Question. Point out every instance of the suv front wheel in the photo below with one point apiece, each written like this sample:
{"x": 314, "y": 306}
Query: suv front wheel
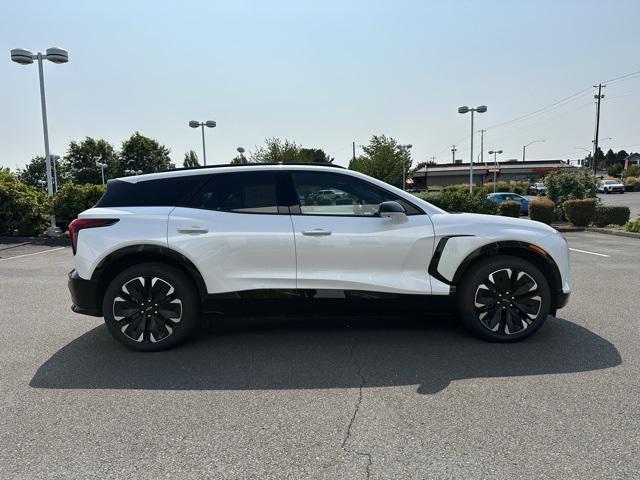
{"x": 503, "y": 299}
{"x": 150, "y": 307}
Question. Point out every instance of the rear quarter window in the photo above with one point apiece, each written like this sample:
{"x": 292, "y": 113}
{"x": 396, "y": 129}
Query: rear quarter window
{"x": 164, "y": 192}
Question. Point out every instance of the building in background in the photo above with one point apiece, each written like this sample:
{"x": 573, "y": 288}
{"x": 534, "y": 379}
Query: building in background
{"x": 457, "y": 173}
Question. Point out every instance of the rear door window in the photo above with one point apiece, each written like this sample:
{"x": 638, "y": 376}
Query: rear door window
{"x": 242, "y": 192}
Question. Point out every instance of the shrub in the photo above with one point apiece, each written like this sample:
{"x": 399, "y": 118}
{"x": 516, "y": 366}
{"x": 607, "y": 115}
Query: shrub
{"x": 454, "y": 199}
{"x": 541, "y": 210}
{"x": 610, "y": 215}
{"x": 23, "y": 209}
{"x": 562, "y": 186}
{"x": 72, "y": 199}
{"x": 633, "y": 171}
{"x": 509, "y": 209}
{"x": 634, "y": 226}
{"x": 324, "y": 200}
{"x": 632, "y": 184}
{"x": 579, "y": 212}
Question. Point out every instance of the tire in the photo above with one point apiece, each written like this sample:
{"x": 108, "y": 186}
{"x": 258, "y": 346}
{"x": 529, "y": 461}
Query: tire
{"x": 509, "y": 319}
{"x": 128, "y": 299}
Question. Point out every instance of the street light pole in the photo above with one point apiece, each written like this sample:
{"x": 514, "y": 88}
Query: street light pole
{"x": 524, "y": 147}
{"x": 495, "y": 166}
{"x": 196, "y": 124}
{"x": 465, "y": 109}
{"x": 405, "y": 148}
{"x": 25, "y": 57}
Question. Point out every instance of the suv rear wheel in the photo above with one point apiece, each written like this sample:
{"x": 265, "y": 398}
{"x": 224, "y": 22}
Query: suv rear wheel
{"x": 503, "y": 299}
{"x": 150, "y": 307}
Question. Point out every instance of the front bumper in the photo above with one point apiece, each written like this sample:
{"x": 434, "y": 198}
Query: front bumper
{"x": 83, "y": 295}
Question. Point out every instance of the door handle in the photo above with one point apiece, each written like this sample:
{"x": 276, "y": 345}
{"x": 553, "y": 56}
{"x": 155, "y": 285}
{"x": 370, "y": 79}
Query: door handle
{"x": 316, "y": 232}
{"x": 195, "y": 230}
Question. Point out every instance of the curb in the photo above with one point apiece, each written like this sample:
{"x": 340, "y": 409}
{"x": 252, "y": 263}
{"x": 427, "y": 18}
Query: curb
{"x": 619, "y": 233}
{"x": 56, "y": 241}
{"x": 567, "y": 228}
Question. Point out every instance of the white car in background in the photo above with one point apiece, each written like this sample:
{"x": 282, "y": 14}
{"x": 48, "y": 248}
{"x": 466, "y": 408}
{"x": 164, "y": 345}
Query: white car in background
{"x": 610, "y": 186}
{"x": 159, "y": 250}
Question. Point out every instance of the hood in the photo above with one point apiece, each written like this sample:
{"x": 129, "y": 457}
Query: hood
{"x": 488, "y": 225}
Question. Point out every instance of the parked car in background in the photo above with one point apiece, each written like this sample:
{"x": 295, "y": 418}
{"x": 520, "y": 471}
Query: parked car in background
{"x": 610, "y": 186}
{"x": 537, "y": 188}
{"x": 500, "y": 197}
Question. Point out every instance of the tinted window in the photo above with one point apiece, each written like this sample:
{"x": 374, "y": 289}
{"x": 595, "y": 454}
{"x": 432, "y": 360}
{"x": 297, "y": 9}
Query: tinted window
{"x": 322, "y": 193}
{"x": 166, "y": 192}
{"x": 247, "y": 192}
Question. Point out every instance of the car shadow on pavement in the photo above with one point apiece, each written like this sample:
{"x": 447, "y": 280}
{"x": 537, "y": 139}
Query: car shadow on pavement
{"x": 315, "y": 353}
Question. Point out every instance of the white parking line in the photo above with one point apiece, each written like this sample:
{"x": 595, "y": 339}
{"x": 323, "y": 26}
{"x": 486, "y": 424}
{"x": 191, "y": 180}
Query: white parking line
{"x": 29, "y": 254}
{"x": 590, "y": 253}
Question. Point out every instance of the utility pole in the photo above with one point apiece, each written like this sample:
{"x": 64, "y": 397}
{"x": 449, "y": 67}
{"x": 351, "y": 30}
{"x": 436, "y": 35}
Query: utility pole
{"x": 453, "y": 153}
{"x": 598, "y": 97}
{"x": 482, "y": 145}
{"x": 354, "y": 151}
{"x": 426, "y": 174}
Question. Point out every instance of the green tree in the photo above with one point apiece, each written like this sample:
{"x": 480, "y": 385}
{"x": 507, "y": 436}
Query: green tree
{"x": 621, "y": 155}
{"x": 239, "y": 159}
{"x": 610, "y": 158}
{"x": 614, "y": 169}
{"x": 190, "y": 160}
{"x": 285, "y": 151}
{"x": 276, "y": 151}
{"x": 80, "y": 161}
{"x": 385, "y": 159}
{"x": 143, "y": 153}
{"x": 314, "y": 155}
{"x": 34, "y": 173}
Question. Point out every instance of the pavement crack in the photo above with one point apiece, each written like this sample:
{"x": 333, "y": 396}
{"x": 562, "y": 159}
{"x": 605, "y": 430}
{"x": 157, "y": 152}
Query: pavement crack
{"x": 352, "y": 420}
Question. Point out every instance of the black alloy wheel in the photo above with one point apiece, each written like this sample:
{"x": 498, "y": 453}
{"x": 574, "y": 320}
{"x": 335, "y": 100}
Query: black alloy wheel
{"x": 503, "y": 298}
{"x": 151, "y": 306}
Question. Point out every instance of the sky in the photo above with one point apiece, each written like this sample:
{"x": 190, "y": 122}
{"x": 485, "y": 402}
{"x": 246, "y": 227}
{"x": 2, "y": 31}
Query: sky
{"x": 323, "y": 74}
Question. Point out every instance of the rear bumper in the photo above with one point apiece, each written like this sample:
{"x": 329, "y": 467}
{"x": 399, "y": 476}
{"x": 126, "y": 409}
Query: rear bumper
{"x": 83, "y": 295}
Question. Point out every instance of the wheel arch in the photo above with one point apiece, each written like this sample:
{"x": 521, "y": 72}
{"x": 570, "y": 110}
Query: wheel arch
{"x": 125, "y": 257}
{"x": 524, "y": 250}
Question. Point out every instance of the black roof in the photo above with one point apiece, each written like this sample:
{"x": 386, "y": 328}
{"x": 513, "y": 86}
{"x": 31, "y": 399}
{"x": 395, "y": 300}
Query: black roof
{"x": 224, "y": 165}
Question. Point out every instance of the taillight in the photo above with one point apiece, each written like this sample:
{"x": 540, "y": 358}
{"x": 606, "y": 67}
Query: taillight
{"x": 82, "y": 223}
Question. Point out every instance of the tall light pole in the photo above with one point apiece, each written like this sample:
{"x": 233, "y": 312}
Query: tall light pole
{"x": 406, "y": 149}
{"x": 25, "y": 57}
{"x": 54, "y": 160}
{"x": 102, "y": 166}
{"x": 495, "y": 166}
{"x": 524, "y": 147}
{"x": 196, "y": 124}
{"x": 465, "y": 109}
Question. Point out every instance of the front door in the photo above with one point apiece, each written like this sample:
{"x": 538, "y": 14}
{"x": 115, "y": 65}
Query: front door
{"x": 341, "y": 243}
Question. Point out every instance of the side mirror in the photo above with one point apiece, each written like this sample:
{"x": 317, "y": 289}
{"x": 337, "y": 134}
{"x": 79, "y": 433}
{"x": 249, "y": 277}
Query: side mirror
{"x": 392, "y": 210}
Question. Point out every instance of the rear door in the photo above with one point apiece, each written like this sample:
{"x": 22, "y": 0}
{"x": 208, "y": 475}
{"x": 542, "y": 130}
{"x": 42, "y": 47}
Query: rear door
{"x": 235, "y": 234}
{"x": 342, "y": 244}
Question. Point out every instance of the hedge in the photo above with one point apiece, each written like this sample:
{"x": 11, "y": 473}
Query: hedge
{"x": 579, "y": 212}
{"x": 542, "y": 210}
{"x": 455, "y": 199}
{"x": 509, "y": 209}
{"x": 72, "y": 199}
{"x": 23, "y": 209}
{"x": 611, "y": 215}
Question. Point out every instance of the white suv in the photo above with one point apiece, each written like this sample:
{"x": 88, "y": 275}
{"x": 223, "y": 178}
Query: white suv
{"x": 159, "y": 250}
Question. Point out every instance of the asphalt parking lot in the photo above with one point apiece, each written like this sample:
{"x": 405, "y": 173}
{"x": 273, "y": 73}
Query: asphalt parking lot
{"x": 380, "y": 398}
